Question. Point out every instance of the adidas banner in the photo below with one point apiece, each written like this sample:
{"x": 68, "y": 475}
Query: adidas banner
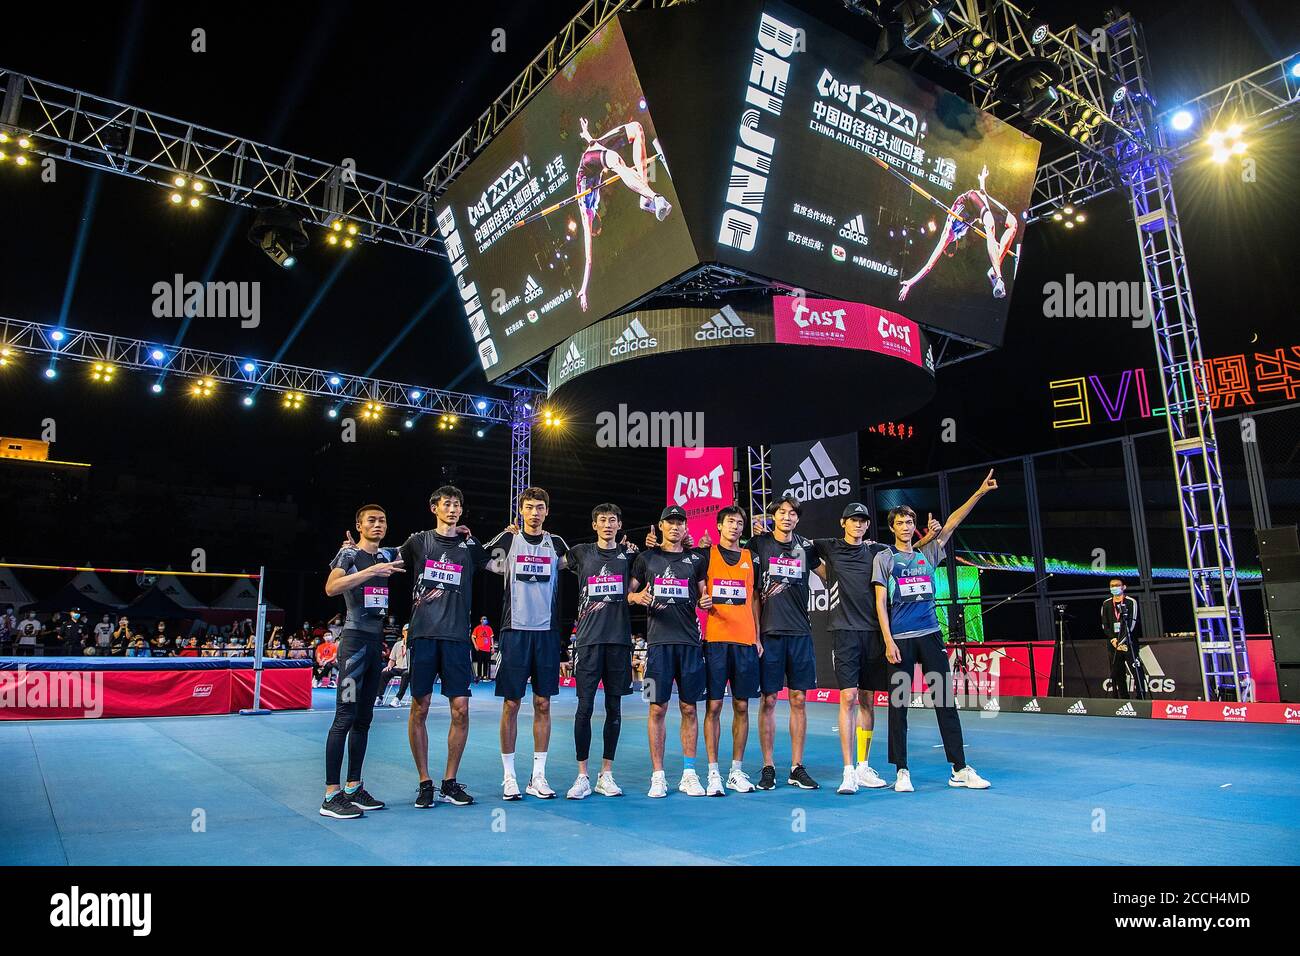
{"x": 823, "y": 476}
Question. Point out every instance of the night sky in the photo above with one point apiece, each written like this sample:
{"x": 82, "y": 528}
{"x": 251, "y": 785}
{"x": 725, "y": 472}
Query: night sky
{"x": 392, "y": 86}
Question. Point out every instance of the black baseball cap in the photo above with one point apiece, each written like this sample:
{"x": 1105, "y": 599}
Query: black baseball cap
{"x": 673, "y": 513}
{"x": 855, "y": 509}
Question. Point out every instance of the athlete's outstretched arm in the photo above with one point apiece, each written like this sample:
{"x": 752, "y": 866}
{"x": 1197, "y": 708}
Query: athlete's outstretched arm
{"x": 957, "y": 517}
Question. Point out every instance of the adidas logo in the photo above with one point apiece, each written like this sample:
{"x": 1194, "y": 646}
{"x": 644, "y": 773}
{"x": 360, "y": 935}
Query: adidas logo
{"x": 855, "y": 230}
{"x": 929, "y": 359}
{"x": 991, "y": 704}
{"x": 532, "y": 290}
{"x": 487, "y": 353}
{"x": 1077, "y": 708}
{"x": 573, "y": 361}
{"x": 1032, "y": 707}
{"x": 634, "y": 337}
{"x": 817, "y": 478}
{"x": 724, "y": 325}
{"x": 1127, "y": 710}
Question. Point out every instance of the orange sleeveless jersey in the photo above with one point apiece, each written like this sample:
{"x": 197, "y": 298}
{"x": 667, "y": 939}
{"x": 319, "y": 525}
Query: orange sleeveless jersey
{"x": 731, "y": 618}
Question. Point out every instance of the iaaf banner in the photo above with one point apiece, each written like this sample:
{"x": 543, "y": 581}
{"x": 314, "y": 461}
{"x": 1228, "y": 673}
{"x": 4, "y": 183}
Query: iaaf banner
{"x": 701, "y": 481}
{"x": 822, "y": 475}
{"x": 852, "y": 325}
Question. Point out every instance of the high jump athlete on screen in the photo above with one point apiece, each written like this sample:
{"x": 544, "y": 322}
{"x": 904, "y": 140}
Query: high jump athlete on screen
{"x": 598, "y": 161}
{"x": 981, "y": 206}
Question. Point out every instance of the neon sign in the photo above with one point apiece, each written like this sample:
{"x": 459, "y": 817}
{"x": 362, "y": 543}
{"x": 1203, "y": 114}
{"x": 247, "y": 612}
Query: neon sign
{"x": 1228, "y": 381}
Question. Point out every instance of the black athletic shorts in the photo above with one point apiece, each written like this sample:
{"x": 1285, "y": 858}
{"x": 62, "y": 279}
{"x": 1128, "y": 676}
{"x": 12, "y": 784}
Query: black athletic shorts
{"x": 528, "y": 655}
{"x": 788, "y": 661}
{"x": 860, "y": 660}
{"x": 608, "y": 664}
{"x": 437, "y": 658}
{"x": 666, "y": 663}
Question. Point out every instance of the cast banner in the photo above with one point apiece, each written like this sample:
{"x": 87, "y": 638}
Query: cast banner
{"x": 823, "y": 476}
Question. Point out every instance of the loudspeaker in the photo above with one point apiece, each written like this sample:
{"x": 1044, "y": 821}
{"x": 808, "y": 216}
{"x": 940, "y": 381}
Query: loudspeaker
{"x": 1277, "y": 541}
{"x": 1285, "y": 626}
{"x": 1288, "y": 684}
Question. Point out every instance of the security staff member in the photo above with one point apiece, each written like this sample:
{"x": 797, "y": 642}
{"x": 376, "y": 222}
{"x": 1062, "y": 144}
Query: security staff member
{"x": 1119, "y": 623}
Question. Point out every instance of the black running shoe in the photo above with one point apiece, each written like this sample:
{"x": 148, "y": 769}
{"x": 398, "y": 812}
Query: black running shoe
{"x": 453, "y": 792}
{"x": 340, "y": 807}
{"x": 427, "y": 796}
{"x": 365, "y": 801}
{"x": 767, "y": 779}
{"x": 799, "y": 778}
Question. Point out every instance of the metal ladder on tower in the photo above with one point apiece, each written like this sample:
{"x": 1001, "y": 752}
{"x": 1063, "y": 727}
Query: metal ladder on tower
{"x": 1211, "y": 567}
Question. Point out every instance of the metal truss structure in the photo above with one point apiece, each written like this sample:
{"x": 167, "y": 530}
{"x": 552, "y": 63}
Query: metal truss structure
{"x": 250, "y": 375}
{"x": 99, "y": 133}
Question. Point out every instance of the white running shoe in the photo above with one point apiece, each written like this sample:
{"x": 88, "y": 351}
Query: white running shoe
{"x": 739, "y": 781}
{"x": 662, "y": 208}
{"x": 647, "y": 205}
{"x": 658, "y": 785}
{"x": 538, "y": 787}
{"x": 394, "y": 703}
{"x": 510, "y": 789}
{"x": 999, "y": 287}
{"x": 581, "y": 788}
{"x": 605, "y": 785}
{"x": 968, "y": 778}
{"x": 715, "y": 785}
{"x": 690, "y": 784}
{"x": 850, "y": 782}
{"x": 903, "y": 783}
{"x": 867, "y": 777}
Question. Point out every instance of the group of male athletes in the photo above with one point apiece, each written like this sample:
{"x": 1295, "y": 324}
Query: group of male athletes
{"x": 757, "y": 640}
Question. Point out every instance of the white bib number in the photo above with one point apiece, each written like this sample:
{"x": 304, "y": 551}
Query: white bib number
{"x": 533, "y": 567}
{"x": 376, "y": 597}
{"x": 790, "y": 569}
{"x": 918, "y": 587}
{"x": 728, "y": 591}
{"x": 669, "y": 589}
{"x": 443, "y": 573}
{"x": 605, "y": 585}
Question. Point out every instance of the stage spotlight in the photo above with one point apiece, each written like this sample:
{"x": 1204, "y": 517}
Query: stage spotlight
{"x": 409, "y": 423}
{"x": 1181, "y": 121}
{"x": 5, "y": 355}
{"x": 194, "y": 202}
{"x": 177, "y": 198}
{"x": 197, "y": 185}
{"x": 179, "y": 182}
{"x": 1057, "y": 216}
{"x": 478, "y": 433}
{"x": 334, "y": 380}
{"x": 156, "y": 388}
{"x": 279, "y": 234}
{"x": 157, "y": 355}
{"x": 203, "y": 388}
{"x": 103, "y": 373}
{"x": 1069, "y": 224}
{"x": 1030, "y": 85}
{"x": 371, "y": 411}
{"x": 293, "y": 400}
{"x": 1068, "y": 210}
{"x": 480, "y": 405}
{"x": 1295, "y": 69}
{"x": 415, "y": 394}
{"x": 248, "y": 401}
{"x": 1039, "y": 33}
{"x": 908, "y": 25}
{"x": 57, "y": 336}
{"x": 250, "y": 367}
{"x": 333, "y": 413}
{"x": 1119, "y": 94}
{"x": 51, "y": 373}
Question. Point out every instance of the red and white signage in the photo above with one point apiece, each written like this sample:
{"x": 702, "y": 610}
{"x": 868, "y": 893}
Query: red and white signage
{"x": 850, "y": 325}
{"x": 1226, "y": 711}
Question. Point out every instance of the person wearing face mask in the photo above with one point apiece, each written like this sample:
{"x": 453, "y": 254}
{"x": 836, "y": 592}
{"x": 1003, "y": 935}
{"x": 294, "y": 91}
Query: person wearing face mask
{"x": 1119, "y": 623}
{"x": 72, "y": 631}
{"x": 27, "y": 633}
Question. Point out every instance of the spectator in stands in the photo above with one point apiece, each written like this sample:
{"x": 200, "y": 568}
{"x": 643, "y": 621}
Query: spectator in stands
{"x": 326, "y": 655}
{"x": 8, "y": 627}
{"x": 72, "y": 631}
{"x": 189, "y": 647}
{"x": 104, "y": 635}
{"x": 162, "y": 644}
{"x": 297, "y": 648}
{"x": 482, "y": 640}
{"x": 29, "y": 631}
{"x": 122, "y": 637}
{"x": 209, "y": 647}
{"x": 398, "y": 666}
{"x": 139, "y": 648}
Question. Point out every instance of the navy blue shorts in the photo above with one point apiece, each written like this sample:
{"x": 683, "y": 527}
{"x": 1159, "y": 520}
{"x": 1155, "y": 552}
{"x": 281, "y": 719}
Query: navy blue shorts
{"x": 439, "y": 658}
{"x": 525, "y": 656}
{"x": 788, "y": 661}
{"x": 610, "y": 664}
{"x": 734, "y": 663}
{"x": 665, "y": 663}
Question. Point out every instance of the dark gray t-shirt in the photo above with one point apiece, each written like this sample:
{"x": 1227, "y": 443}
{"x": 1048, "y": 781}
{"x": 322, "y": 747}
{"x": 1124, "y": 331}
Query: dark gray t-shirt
{"x": 367, "y": 603}
{"x": 852, "y": 598}
{"x": 603, "y": 577}
{"x": 781, "y": 580}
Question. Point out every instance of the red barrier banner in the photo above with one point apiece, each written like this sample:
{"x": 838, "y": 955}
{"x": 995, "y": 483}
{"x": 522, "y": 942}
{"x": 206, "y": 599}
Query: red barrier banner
{"x": 282, "y": 689}
{"x": 1226, "y": 711}
{"x": 65, "y": 694}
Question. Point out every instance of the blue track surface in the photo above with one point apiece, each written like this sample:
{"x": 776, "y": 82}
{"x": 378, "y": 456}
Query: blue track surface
{"x": 113, "y": 792}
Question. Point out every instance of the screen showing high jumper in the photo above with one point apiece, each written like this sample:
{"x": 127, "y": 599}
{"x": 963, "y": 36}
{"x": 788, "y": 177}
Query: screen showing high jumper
{"x": 866, "y": 182}
{"x": 568, "y": 215}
